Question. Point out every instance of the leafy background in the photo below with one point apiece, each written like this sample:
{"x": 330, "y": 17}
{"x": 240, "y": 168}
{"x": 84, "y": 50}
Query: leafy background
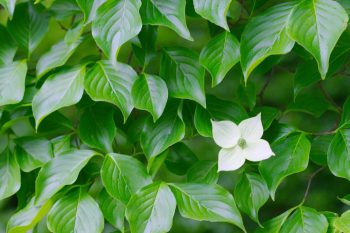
{"x": 79, "y": 94}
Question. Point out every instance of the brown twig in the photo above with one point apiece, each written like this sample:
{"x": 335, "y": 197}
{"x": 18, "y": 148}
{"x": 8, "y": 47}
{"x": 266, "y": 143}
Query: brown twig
{"x": 311, "y": 177}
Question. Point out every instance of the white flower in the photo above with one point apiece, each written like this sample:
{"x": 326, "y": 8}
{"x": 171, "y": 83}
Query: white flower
{"x": 240, "y": 142}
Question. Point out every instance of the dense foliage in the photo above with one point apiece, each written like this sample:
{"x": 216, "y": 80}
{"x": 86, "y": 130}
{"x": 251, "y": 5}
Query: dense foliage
{"x": 108, "y": 109}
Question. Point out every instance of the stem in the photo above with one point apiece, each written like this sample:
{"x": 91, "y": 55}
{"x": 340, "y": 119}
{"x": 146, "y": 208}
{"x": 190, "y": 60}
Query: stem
{"x": 266, "y": 84}
{"x": 309, "y": 183}
{"x": 130, "y": 57}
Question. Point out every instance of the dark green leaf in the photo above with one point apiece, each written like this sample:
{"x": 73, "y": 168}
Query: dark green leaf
{"x": 203, "y": 172}
{"x": 180, "y": 158}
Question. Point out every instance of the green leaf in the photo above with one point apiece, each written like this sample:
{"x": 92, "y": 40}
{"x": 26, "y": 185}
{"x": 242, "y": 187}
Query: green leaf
{"x": 9, "y": 5}
{"x": 97, "y": 128}
{"x": 183, "y": 74}
{"x": 345, "y": 117}
{"x": 220, "y": 55}
{"x": 151, "y": 209}
{"x": 61, "y": 144}
{"x": 338, "y": 155}
{"x": 265, "y": 35}
{"x": 116, "y": 22}
{"x": 180, "y": 158}
{"x": 56, "y": 56}
{"x": 305, "y": 76}
{"x": 12, "y": 82}
{"x": 168, "y": 13}
{"x": 268, "y": 115}
{"x": 111, "y": 83}
{"x": 32, "y": 152}
{"x": 319, "y": 149}
{"x": 113, "y": 210}
{"x": 305, "y": 220}
{"x": 342, "y": 223}
{"x": 76, "y": 212}
{"x": 213, "y": 10}
{"x": 123, "y": 175}
{"x": 7, "y": 46}
{"x": 291, "y": 156}
{"x": 25, "y": 219}
{"x": 150, "y": 93}
{"x": 251, "y": 194}
{"x": 10, "y": 174}
{"x": 203, "y": 172}
{"x": 59, "y": 90}
{"x": 29, "y": 25}
{"x": 312, "y": 24}
{"x": 168, "y": 130}
{"x": 202, "y": 121}
{"x": 89, "y": 8}
{"x": 345, "y": 199}
{"x": 60, "y": 171}
{"x": 208, "y": 202}
{"x": 274, "y": 225}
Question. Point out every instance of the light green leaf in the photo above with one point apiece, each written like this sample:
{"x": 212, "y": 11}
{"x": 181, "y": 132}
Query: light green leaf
{"x": 291, "y": 156}
{"x": 183, "y": 74}
{"x": 208, "y": 202}
{"x": 9, "y": 5}
{"x": 338, "y": 156}
{"x": 25, "y": 219}
{"x": 76, "y": 212}
{"x": 150, "y": 93}
{"x": 89, "y": 8}
{"x": 60, "y": 171}
{"x": 151, "y": 209}
{"x": 111, "y": 83}
{"x": 313, "y": 25}
{"x": 29, "y": 25}
{"x": 61, "y": 144}
{"x": 116, "y": 22}
{"x": 203, "y": 172}
{"x": 123, "y": 175}
{"x": 59, "y": 90}
{"x": 251, "y": 194}
{"x": 113, "y": 210}
{"x": 213, "y": 10}
{"x": 305, "y": 220}
{"x": 97, "y": 128}
{"x": 12, "y": 82}
{"x": 56, "y": 56}
{"x": 168, "y": 13}
{"x": 7, "y": 46}
{"x": 265, "y": 35}
{"x": 32, "y": 152}
{"x": 342, "y": 223}
{"x": 10, "y": 174}
{"x": 220, "y": 55}
{"x": 274, "y": 225}
{"x": 168, "y": 130}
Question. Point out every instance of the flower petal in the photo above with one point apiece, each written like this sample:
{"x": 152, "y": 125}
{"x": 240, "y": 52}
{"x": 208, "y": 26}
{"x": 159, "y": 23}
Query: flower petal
{"x": 257, "y": 151}
{"x": 225, "y": 133}
{"x": 251, "y": 129}
{"x": 230, "y": 159}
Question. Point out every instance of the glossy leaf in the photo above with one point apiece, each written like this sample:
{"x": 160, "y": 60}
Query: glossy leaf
{"x": 204, "y": 171}
{"x": 111, "y": 83}
{"x": 305, "y": 220}
{"x": 29, "y": 25}
{"x": 123, "y": 175}
{"x": 275, "y": 224}
{"x": 151, "y": 209}
{"x": 202, "y": 121}
{"x": 75, "y": 212}
{"x": 32, "y": 152}
{"x": 9, "y": 5}
{"x": 168, "y": 13}
{"x": 265, "y": 35}
{"x": 251, "y": 194}
{"x": 10, "y": 174}
{"x": 12, "y": 82}
{"x": 291, "y": 156}
{"x": 343, "y": 222}
{"x": 213, "y": 10}
{"x": 116, "y": 22}
{"x": 220, "y": 55}
{"x": 319, "y": 149}
{"x": 97, "y": 128}
{"x": 312, "y": 24}
{"x": 89, "y": 8}
{"x": 168, "y": 130}
{"x": 150, "y": 93}
{"x": 59, "y": 90}
{"x": 183, "y": 74}
{"x": 60, "y": 171}
{"x": 7, "y": 46}
{"x": 206, "y": 202}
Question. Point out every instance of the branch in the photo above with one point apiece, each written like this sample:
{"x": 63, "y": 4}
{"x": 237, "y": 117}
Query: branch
{"x": 309, "y": 183}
